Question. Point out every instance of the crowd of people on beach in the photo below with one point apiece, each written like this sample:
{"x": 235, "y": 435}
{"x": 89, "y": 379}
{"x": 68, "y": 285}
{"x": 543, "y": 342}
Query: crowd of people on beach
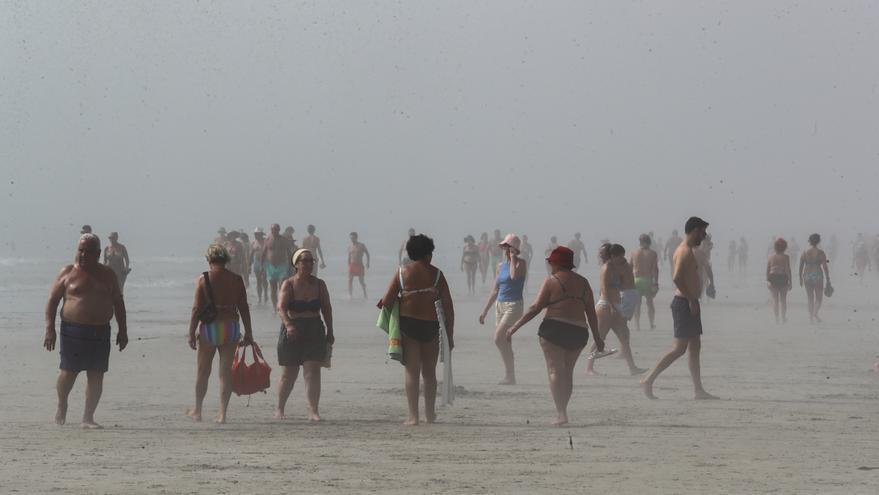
{"x": 287, "y": 275}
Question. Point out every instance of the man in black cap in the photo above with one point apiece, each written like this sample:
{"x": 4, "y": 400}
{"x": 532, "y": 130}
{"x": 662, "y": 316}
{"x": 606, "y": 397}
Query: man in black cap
{"x": 685, "y": 310}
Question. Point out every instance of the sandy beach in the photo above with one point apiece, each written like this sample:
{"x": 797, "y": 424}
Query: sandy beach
{"x": 798, "y": 413}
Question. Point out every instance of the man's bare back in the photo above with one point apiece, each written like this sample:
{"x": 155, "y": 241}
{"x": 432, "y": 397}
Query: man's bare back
{"x": 645, "y": 262}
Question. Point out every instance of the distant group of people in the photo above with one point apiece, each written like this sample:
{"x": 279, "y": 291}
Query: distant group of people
{"x": 92, "y": 295}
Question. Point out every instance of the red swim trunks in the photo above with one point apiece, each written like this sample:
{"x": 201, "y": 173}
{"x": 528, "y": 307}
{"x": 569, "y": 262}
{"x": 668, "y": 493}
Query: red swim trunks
{"x": 356, "y": 269}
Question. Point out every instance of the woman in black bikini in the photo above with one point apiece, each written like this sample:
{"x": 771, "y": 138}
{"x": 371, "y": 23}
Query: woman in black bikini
{"x": 418, "y": 285}
{"x": 304, "y": 337}
{"x": 564, "y": 332}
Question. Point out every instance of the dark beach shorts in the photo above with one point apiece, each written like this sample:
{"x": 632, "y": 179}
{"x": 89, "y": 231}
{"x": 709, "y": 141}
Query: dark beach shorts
{"x": 686, "y": 324}
{"x": 424, "y": 331}
{"x": 778, "y": 280}
{"x": 563, "y": 334}
{"x": 310, "y": 343}
{"x": 85, "y": 347}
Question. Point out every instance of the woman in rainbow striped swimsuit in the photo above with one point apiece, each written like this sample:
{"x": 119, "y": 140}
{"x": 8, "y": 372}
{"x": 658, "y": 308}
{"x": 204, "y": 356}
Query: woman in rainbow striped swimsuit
{"x": 226, "y": 290}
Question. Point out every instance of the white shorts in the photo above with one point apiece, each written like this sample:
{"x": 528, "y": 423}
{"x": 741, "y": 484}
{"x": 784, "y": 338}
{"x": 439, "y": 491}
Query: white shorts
{"x": 508, "y": 312}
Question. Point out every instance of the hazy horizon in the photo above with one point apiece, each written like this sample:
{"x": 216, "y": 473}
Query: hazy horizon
{"x": 165, "y": 120}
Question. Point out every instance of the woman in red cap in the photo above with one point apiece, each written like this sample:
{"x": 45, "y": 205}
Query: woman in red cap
{"x": 564, "y": 332}
{"x": 507, "y": 298}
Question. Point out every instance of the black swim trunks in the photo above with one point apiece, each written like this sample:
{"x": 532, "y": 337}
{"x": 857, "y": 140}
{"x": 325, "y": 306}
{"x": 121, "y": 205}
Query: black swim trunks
{"x": 310, "y": 343}
{"x": 563, "y": 334}
{"x": 687, "y": 325}
{"x": 424, "y": 331}
{"x": 84, "y": 347}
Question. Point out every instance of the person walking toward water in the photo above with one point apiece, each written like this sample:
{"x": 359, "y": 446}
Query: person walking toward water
{"x": 743, "y": 255}
{"x": 470, "y": 263}
{"x": 224, "y": 291}
{"x": 116, "y": 257}
{"x": 356, "y": 251}
{"x": 312, "y": 243}
{"x": 861, "y": 257}
{"x": 91, "y": 298}
{"x": 813, "y": 271}
{"x": 616, "y": 304}
{"x": 645, "y": 266}
{"x": 509, "y": 306}
{"x": 259, "y": 269}
{"x": 685, "y": 311}
{"x": 276, "y": 260}
{"x": 778, "y": 278}
{"x": 304, "y": 338}
{"x": 417, "y": 286}
{"x": 570, "y": 314}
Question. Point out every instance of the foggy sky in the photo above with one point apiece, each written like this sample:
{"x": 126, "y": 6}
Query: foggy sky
{"x": 163, "y": 120}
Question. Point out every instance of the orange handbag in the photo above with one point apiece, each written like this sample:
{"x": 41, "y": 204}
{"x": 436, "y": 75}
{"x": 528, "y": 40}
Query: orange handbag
{"x": 249, "y": 379}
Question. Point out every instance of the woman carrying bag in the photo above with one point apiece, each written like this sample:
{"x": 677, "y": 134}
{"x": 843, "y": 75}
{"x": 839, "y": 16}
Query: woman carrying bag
{"x": 220, "y": 297}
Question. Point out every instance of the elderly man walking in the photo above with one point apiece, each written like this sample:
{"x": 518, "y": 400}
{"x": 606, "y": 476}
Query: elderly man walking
{"x": 91, "y": 296}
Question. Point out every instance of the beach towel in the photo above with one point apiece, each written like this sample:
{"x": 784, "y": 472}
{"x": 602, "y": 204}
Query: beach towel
{"x": 389, "y": 321}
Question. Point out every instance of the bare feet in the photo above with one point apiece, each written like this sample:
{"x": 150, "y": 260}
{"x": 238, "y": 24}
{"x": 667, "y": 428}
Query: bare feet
{"x": 703, "y": 395}
{"x": 430, "y": 418}
{"x": 314, "y": 417}
{"x": 647, "y": 387}
{"x": 561, "y": 420}
{"x": 638, "y": 371}
{"x": 507, "y": 381}
{"x": 279, "y": 414}
{"x": 411, "y": 422}
{"x": 195, "y": 415}
{"x": 61, "y": 415}
{"x": 90, "y": 425}
{"x": 590, "y": 371}
{"x": 220, "y": 419}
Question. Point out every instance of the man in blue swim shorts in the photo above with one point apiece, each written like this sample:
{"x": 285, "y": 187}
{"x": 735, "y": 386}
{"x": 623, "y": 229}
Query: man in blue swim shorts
{"x": 91, "y": 296}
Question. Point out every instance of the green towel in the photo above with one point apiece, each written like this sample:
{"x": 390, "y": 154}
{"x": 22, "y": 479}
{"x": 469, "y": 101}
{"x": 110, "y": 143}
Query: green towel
{"x": 389, "y": 321}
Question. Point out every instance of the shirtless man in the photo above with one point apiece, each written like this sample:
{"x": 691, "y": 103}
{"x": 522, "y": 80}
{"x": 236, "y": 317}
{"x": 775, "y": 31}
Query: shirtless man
{"x": 553, "y": 243}
{"x": 685, "y": 310}
{"x": 576, "y": 245}
{"x": 258, "y": 264}
{"x": 91, "y": 296}
{"x": 645, "y": 265}
{"x": 86, "y": 229}
{"x": 116, "y": 257}
{"x": 402, "y": 257}
{"x": 668, "y": 251}
{"x": 356, "y": 251}
{"x": 312, "y": 243}
{"x": 276, "y": 260}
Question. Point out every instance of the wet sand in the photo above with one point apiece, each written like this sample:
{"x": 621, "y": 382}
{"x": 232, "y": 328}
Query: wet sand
{"x": 798, "y": 413}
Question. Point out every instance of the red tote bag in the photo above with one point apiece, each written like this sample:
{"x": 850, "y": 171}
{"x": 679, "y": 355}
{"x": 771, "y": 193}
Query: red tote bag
{"x": 249, "y": 379}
